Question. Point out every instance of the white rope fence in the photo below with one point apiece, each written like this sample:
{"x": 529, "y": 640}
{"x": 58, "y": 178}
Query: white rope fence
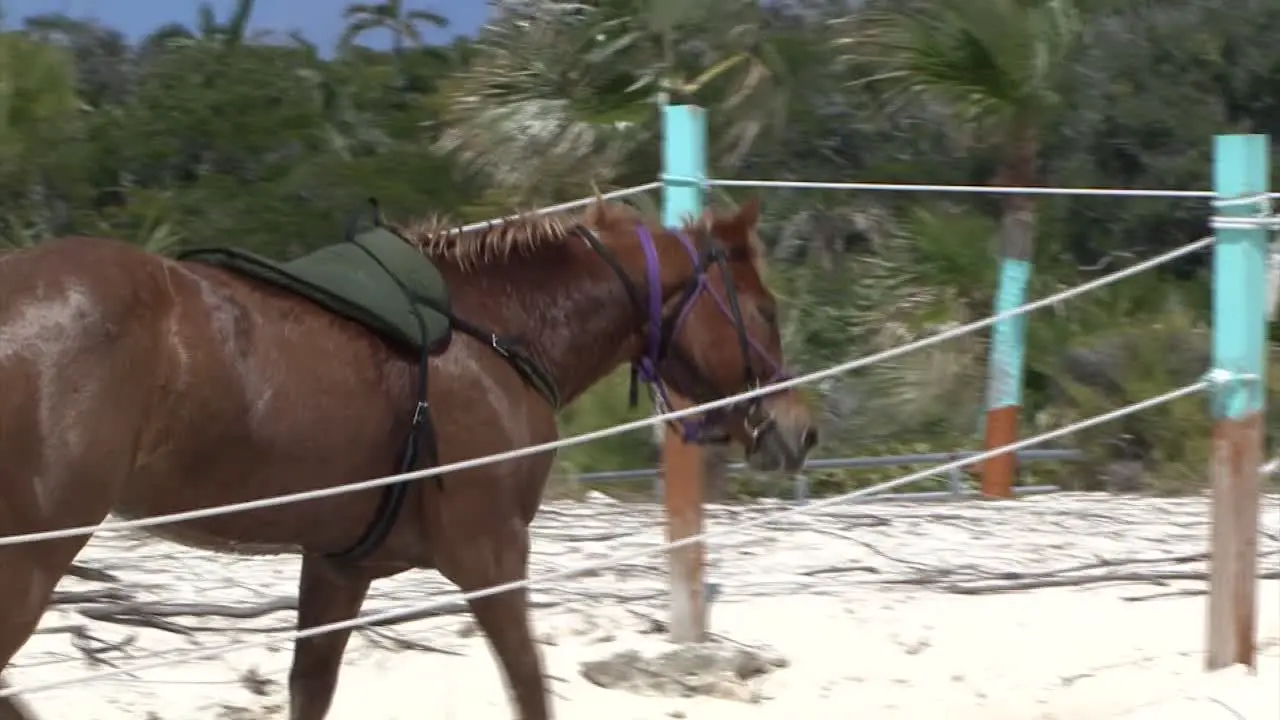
{"x": 121, "y": 525}
{"x": 853, "y": 186}
{"x": 964, "y": 189}
{"x": 548, "y": 210}
{"x": 157, "y": 660}
{"x": 1263, "y": 218}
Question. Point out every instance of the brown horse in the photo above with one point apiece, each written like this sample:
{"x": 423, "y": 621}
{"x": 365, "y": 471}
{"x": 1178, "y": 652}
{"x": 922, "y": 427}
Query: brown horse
{"x": 143, "y": 386}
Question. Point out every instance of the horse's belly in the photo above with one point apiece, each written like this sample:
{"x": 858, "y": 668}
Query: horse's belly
{"x": 204, "y": 534}
{"x": 288, "y": 527}
{"x": 195, "y": 537}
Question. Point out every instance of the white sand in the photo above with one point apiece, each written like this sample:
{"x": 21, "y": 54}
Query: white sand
{"x": 815, "y": 590}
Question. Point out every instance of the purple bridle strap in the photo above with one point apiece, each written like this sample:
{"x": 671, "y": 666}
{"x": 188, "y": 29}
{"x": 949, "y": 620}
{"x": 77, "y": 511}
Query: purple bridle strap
{"x": 705, "y": 285}
{"x": 653, "y": 276}
{"x": 647, "y": 365}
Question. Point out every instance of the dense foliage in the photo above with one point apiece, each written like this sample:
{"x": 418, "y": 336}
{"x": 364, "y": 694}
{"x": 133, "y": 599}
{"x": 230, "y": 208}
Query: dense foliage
{"x": 214, "y": 133}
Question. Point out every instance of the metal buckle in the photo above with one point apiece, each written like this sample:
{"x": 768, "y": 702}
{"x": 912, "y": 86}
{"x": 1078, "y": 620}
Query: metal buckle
{"x": 497, "y": 346}
{"x": 755, "y": 426}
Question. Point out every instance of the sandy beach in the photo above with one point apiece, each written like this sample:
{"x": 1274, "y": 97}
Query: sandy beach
{"x": 1064, "y": 606}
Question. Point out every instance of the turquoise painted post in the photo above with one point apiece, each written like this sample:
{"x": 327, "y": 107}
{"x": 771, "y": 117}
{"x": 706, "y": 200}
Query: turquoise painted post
{"x": 1005, "y": 377}
{"x": 684, "y": 163}
{"x": 684, "y": 170}
{"x": 1241, "y": 181}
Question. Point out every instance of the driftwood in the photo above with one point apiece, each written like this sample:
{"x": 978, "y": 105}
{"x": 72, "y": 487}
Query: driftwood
{"x": 116, "y": 605}
{"x": 1119, "y": 570}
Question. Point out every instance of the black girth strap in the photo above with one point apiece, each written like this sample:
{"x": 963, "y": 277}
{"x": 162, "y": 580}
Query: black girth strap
{"x": 421, "y": 430}
{"x": 422, "y": 433}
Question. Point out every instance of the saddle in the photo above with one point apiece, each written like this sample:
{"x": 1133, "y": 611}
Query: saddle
{"x": 379, "y": 280}
{"x": 376, "y": 279}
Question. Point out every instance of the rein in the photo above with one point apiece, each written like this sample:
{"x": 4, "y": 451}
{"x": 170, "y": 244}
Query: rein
{"x": 663, "y": 327}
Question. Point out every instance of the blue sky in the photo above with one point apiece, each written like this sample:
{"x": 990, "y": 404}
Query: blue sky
{"x": 319, "y": 20}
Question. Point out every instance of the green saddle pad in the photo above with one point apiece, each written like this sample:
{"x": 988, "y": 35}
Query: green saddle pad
{"x": 346, "y": 280}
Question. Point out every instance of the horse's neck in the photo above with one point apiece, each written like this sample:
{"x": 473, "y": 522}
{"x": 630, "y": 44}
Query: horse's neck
{"x": 572, "y": 313}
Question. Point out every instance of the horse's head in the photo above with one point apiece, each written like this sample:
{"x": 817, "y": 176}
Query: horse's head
{"x": 712, "y": 332}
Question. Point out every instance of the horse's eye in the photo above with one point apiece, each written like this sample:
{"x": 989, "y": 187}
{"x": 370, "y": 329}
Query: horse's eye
{"x": 769, "y": 314}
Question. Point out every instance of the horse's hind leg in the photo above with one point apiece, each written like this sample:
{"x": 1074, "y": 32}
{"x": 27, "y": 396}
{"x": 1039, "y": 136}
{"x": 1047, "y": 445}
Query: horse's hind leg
{"x": 28, "y": 575}
{"x": 67, "y": 472}
{"x": 328, "y": 593}
{"x": 474, "y": 563}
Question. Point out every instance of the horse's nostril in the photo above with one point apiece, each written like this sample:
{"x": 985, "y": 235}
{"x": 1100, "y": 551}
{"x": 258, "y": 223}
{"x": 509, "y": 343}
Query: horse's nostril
{"x": 809, "y": 438}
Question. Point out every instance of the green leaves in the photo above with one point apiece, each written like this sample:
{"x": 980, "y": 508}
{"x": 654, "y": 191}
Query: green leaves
{"x": 557, "y": 86}
{"x": 39, "y": 115}
{"x": 37, "y": 92}
{"x": 992, "y": 61}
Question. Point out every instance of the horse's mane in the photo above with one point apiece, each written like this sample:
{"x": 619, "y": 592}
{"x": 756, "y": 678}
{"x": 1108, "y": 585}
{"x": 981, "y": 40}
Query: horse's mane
{"x": 521, "y": 235}
{"x": 529, "y": 234}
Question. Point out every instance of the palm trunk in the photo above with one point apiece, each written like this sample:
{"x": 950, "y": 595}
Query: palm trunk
{"x": 1008, "y": 340}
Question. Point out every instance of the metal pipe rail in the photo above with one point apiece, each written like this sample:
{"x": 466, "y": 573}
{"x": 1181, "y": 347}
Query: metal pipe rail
{"x": 955, "y": 476}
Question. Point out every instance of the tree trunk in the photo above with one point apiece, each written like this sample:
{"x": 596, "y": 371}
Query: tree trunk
{"x": 1018, "y": 212}
{"x": 1008, "y": 338}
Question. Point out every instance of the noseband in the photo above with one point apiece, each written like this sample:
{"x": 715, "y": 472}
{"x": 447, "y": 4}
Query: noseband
{"x": 663, "y": 328}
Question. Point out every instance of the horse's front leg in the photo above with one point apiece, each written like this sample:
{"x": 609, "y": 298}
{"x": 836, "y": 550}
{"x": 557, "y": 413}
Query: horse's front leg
{"x": 328, "y": 593}
{"x": 497, "y": 557}
{"x": 12, "y": 708}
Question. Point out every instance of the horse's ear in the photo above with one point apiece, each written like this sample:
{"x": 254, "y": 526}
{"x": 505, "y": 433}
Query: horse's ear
{"x": 749, "y": 213}
{"x": 707, "y": 222}
{"x": 597, "y": 212}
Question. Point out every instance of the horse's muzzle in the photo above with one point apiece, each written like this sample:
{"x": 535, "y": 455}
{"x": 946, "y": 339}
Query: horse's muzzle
{"x": 780, "y": 447}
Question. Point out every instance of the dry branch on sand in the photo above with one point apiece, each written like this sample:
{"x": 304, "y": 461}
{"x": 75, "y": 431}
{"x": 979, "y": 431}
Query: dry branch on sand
{"x": 130, "y": 601}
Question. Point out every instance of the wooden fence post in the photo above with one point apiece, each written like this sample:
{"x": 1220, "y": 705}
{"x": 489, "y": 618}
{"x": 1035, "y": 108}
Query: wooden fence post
{"x": 1241, "y": 178}
{"x": 684, "y": 167}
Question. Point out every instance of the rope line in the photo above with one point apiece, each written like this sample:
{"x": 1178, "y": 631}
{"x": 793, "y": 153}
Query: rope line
{"x": 580, "y": 202}
{"x": 1262, "y": 218}
{"x": 971, "y": 189}
{"x": 607, "y": 563}
{"x": 120, "y": 525}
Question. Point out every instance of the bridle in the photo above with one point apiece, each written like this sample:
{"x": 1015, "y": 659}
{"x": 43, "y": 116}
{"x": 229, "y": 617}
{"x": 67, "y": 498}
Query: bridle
{"x": 660, "y": 348}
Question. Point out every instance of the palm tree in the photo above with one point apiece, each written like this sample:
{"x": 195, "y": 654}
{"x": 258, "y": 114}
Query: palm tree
{"x": 229, "y": 34}
{"x": 559, "y": 90}
{"x": 995, "y": 66}
{"x": 225, "y": 35}
{"x": 391, "y": 16}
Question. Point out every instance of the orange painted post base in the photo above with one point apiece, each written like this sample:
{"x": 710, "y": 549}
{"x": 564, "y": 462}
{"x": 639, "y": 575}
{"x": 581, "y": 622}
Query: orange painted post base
{"x": 682, "y": 468}
{"x": 1233, "y": 550}
{"x": 999, "y": 472}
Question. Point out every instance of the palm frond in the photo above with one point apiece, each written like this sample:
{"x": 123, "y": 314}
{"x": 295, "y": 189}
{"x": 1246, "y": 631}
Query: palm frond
{"x": 990, "y": 60}
{"x": 359, "y": 27}
{"x": 407, "y": 30}
{"x": 362, "y": 10}
{"x": 603, "y": 71}
{"x": 428, "y": 17}
{"x": 237, "y": 27}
